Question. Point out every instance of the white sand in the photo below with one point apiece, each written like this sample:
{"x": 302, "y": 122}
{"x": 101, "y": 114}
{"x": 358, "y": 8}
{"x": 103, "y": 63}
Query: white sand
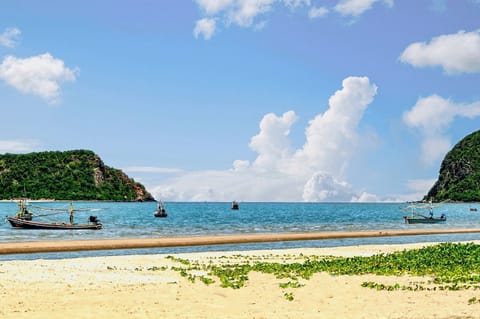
{"x": 123, "y": 287}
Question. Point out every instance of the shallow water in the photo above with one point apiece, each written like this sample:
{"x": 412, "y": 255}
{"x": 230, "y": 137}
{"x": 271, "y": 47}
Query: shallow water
{"x": 136, "y": 220}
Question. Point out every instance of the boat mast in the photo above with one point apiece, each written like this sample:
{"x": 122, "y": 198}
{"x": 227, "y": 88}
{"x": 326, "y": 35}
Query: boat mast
{"x": 70, "y": 210}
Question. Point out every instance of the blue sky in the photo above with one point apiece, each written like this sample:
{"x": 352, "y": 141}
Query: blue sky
{"x": 250, "y": 100}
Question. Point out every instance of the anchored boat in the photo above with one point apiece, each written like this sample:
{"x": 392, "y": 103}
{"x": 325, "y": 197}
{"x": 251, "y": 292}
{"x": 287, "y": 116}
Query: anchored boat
{"x": 24, "y": 218}
{"x": 416, "y": 214}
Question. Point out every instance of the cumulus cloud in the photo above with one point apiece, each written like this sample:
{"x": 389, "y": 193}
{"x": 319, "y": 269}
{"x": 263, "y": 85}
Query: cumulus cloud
{"x": 432, "y": 116}
{"x": 10, "y": 37}
{"x": 331, "y": 137}
{"x": 314, "y": 172}
{"x": 324, "y": 187}
{"x": 39, "y": 75}
{"x": 356, "y": 8}
{"x": 272, "y": 143}
{"x": 455, "y": 53}
{"x": 319, "y": 12}
{"x": 205, "y": 27}
{"x": 17, "y": 146}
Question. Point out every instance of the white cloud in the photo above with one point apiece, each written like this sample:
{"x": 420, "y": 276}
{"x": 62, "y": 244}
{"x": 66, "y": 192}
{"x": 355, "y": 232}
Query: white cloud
{"x": 432, "y": 116}
{"x": 324, "y": 187}
{"x": 272, "y": 143}
{"x": 280, "y": 173}
{"x": 40, "y": 75}
{"x": 205, "y": 27}
{"x": 356, "y": 8}
{"x": 317, "y": 12}
{"x": 242, "y": 13}
{"x": 455, "y": 53}
{"x": 332, "y": 137}
{"x": 17, "y": 146}
{"x": 10, "y": 37}
{"x": 152, "y": 169}
{"x": 212, "y": 7}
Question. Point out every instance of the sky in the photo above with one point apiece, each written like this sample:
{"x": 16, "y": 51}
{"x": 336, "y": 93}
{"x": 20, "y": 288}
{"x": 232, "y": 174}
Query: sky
{"x": 248, "y": 100}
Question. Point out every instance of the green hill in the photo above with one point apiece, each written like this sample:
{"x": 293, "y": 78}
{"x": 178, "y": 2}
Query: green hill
{"x": 69, "y": 175}
{"x": 459, "y": 178}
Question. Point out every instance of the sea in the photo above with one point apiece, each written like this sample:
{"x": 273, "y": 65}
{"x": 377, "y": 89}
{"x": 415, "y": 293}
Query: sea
{"x": 136, "y": 220}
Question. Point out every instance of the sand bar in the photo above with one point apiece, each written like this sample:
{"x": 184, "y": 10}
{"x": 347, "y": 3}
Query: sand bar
{"x": 130, "y": 243}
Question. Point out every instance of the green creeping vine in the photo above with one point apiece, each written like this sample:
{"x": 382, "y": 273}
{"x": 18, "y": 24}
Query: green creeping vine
{"x": 451, "y": 266}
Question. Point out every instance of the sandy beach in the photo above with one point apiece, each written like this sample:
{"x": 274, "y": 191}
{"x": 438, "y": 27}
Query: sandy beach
{"x": 152, "y": 286}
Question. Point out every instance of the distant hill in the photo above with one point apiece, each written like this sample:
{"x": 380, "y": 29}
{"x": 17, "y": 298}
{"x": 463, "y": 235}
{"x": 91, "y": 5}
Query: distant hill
{"x": 69, "y": 175}
{"x": 459, "y": 178}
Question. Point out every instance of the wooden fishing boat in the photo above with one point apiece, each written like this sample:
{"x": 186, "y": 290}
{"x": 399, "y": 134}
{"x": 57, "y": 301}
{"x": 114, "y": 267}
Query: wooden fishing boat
{"x": 16, "y": 222}
{"x": 160, "y": 211}
{"x": 425, "y": 220}
{"x": 416, "y": 217}
{"x": 24, "y": 218}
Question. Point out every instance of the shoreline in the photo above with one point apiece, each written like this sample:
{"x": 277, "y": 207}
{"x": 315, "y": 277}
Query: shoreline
{"x": 160, "y": 242}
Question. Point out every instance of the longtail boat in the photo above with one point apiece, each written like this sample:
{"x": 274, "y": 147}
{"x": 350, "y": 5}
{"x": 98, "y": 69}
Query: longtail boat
{"x": 416, "y": 217}
{"x": 24, "y": 219}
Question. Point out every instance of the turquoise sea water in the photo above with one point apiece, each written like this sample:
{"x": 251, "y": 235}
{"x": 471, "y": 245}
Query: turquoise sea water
{"x": 136, "y": 220}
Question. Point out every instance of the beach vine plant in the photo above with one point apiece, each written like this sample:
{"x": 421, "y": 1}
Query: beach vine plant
{"x": 448, "y": 266}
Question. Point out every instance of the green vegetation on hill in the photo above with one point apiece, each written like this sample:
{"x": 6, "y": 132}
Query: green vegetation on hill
{"x": 459, "y": 178}
{"x": 69, "y": 175}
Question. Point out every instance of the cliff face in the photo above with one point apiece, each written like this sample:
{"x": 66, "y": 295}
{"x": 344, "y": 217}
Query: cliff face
{"x": 459, "y": 177}
{"x": 69, "y": 175}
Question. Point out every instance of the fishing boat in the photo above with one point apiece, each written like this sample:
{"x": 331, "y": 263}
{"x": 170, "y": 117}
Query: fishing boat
{"x": 160, "y": 211}
{"x": 235, "y": 205}
{"x": 24, "y": 219}
{"x": 417, "y": 217}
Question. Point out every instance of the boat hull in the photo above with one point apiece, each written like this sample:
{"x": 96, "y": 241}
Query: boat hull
{"x": 424, "y": 220}
{"x": 22, "y": 223}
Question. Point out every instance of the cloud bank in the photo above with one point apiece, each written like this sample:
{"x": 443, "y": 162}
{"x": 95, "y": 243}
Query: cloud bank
{"x": 39, "y": 75}
{"x": 314, "y": 172}
{"x": 455, "y": 53}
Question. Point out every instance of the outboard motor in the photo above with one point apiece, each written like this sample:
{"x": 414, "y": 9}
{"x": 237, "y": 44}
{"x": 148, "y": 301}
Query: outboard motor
{"x": 93, "y": 219}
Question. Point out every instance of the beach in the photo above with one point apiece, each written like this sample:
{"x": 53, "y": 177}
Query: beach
{"x": 153, "y": 286}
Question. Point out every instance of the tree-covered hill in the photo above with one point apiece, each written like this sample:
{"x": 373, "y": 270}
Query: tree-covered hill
{"x": 459, "y": 178}
{"x": 69, "y": 175}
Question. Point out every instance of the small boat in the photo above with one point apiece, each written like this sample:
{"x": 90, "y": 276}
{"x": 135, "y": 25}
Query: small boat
{"x": 160, "y": 212}
{"x": 24, "y": 219}
{"x": 416, "y": 217}
{"x": 473, "y": 209}
{"x": 235, "y": 205}
{"x": 16, "y": 222}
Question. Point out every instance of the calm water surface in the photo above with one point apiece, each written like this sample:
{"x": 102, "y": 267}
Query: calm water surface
{"x": 136, "y": 220}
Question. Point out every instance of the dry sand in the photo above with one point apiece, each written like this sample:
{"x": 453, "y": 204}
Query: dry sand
{"x": 124, "y": 287}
